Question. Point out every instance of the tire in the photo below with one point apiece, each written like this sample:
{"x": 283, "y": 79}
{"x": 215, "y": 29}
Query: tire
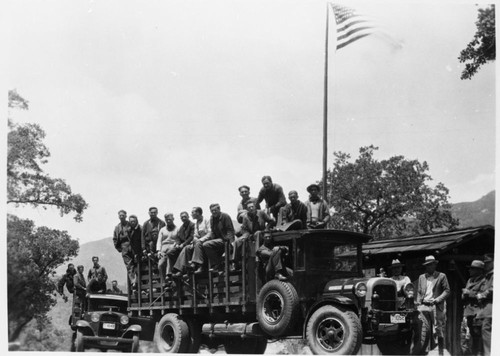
{"x": 277, "y": 307}
{"x": 332, "y": 330}
{"x": 253, "y": 345}
{"x": 395, "y": 345}
{"x": 172, "y": 334}
{"x": 194, "y": 327}
{"x": 422, "y": 334}
{"x": 135, "y": 344}
{"x": 79, "y": 343}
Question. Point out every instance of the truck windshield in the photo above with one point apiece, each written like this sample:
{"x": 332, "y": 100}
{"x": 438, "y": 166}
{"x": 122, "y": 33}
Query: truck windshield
{"x": 329, "y": 256}
{"x": 98, "y": 304}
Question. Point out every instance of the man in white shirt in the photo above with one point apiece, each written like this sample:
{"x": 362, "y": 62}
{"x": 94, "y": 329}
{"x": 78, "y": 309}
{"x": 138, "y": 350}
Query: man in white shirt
{"x": 168, "y": 247}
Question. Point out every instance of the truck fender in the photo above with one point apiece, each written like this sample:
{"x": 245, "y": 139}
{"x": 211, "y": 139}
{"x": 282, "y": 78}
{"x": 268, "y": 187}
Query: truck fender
{"x": 85, "y": 327}
{"x": 335, "y": 300}
{"x": 134, "y": 329}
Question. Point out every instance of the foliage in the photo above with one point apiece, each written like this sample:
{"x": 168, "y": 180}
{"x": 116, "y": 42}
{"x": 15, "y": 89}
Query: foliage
{"x": 386, "y": 198}
{"x": 34, "y": 254}
{"x": 482, "y": 48}
{"x": 27, "y": 183}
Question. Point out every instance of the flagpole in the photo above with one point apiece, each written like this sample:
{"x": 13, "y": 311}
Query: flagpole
{"x": 325, "y": 111}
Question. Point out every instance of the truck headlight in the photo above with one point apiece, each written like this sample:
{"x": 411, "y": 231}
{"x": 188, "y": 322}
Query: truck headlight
{"x": 360, "y": 289}
{"x": 94, "y": 317}
{"x": 124, "y": 320}
{"x": 409, "y": 290}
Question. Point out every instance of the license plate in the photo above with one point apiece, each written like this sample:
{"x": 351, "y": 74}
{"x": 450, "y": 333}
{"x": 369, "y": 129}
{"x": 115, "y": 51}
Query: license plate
{"x": 108, "y": 326}
{"x": 398, "y": 318}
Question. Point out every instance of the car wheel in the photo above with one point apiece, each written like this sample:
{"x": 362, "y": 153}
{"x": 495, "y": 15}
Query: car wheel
{"x": 79, "y": 343}
{"x": 332, "y": 330}
{"x": 135, "y": 343}
{"x": 277, "y": 307}
{"x": 237, "y": 345}
{"x": 172, "y": 334}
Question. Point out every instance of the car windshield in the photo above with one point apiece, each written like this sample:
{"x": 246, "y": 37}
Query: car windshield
{"x": 331, "y": 256}
{"x": 103, "y": 304}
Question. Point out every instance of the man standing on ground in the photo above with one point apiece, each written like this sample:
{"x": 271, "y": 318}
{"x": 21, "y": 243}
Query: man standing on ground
{"x": 245, "y": 199}
{"x": 68, "y": 280}
{"x": 471, "y": 306}
{"x": 432, "y": 291}
{"x": 485, "y": 301}
{"x": 318, "y": 215}
{"x": 273, "y": 194}
{"x": 150, "y": 231}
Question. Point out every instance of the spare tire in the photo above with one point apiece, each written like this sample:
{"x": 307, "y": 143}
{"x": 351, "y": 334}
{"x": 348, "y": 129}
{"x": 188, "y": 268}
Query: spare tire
{"x": 277, "y": 307}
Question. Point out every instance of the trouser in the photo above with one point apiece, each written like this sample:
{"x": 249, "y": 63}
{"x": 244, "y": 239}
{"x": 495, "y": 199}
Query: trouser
{"x": 168, "y": 259}
{"x": 184, "y": 257}
{"x": 80, "y": 294}
{"x": 437, "y": 318}
{"x": 128, "y": 259}
{"x": 248, "y": 241}
{"x": 210, "y": 250}
{"x": 486, "y": 335}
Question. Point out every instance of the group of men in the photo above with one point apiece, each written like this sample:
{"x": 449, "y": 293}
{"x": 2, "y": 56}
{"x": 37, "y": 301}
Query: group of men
{"x": 198, "y": 245}
{"x": 75, "y": 281}
{"x": 432, "y": 291}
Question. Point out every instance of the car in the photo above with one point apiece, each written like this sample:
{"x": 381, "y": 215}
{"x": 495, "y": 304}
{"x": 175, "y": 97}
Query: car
{"x": 104, "y": 324}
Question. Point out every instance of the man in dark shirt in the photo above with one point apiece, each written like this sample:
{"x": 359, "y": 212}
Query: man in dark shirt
{"x": 273, "y": 194}
{"x": 67, "y": 279}
{"x": 186, "y": 235}
{"x": 245, "y": 199}
{"x": 97, "y": 277}
{"x": 80, "y": 287}
{"x": 121, "y": 240}
{"x": 254, "y": 222}
{"x": 150, "y": 230}
{"x": 135, "y": 237}
{"x": 295, "y": 210}
{"x": 271, "y": 258}
{"x": 114, "y": 288}
{"x": 212, "y": 246}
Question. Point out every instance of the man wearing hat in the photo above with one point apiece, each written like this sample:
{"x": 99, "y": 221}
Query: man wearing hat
{"x": 396, "y": 268}
{"x": 471, "y": 307}
{"x": 432, "y": 291}
{"x": 317, "y": 209}
{"x": 485, "y": 301}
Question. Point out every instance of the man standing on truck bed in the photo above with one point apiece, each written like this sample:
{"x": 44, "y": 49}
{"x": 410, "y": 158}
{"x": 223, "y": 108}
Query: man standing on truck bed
{"x": 273, "y": 194}
{"x": 318, "y": 215}
{"x": 432, "y": 291}
{"x": 121, "y": 240}
{"x": 222, "y": 230}
{"x": 150, "y": 231}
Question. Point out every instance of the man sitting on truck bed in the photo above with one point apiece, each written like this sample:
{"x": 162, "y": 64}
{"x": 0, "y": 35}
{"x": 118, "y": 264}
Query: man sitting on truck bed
{"x": 186, "y": 235}
{"x": 254, "y": 223}
{"x": 150, "y": 231}
{"x": 271, "y": 258}
{"x": 168, "y": 247}
{"x": 222, "y": 230}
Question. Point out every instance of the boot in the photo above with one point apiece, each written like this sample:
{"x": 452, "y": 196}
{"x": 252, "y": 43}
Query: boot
{"x": 440, "y": 346}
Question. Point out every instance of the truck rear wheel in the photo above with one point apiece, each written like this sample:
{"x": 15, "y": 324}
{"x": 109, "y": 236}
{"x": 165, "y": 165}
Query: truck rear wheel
{"x": 250, "y": 345}
{"x": 172, "y": 334}
{"x": 277, "y": 307}
{"x": 332, "y": 330}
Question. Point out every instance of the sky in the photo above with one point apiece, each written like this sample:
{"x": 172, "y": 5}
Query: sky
{"x": 176, "y": 104}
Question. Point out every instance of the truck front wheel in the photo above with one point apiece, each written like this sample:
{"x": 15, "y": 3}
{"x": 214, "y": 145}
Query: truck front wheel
{"x": 172, "y": 334}
{"x": 332, "y": 330}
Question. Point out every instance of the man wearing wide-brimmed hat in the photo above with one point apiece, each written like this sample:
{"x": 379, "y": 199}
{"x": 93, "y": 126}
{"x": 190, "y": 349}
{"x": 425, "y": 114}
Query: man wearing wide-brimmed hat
{"x": 396, "y": 269}
{"x": 471, "y": 307}
{"x": 318, "y": 214}
{"x": 485, "y": 299}
{"x": 432, "y": 291}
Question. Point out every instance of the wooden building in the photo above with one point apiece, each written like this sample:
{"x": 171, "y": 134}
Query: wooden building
{"x": 454, "y": 250}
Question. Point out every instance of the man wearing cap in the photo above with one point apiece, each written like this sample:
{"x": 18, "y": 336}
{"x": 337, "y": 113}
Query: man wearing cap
{"x": 317, "y": 209}
{"x": 245, "y": 199}
{"x": 396, "y": 268}
{"x": 485, "y": 301}
{"x": 295, "y": 210}
{"x": 432, "y": 291}
{"x": 471, "y": 307}
{"x": 273, "y": 194}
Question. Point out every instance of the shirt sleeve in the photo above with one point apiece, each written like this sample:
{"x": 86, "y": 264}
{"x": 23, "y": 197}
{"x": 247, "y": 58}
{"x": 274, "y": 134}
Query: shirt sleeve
{"x": 158, "y": 243}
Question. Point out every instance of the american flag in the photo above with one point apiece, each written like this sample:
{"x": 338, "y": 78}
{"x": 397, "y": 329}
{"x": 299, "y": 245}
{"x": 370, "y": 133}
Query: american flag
{"x": 350, "y": 25}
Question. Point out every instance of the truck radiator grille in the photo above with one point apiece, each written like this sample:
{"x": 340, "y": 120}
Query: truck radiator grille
{"x": 387, "y": 294}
